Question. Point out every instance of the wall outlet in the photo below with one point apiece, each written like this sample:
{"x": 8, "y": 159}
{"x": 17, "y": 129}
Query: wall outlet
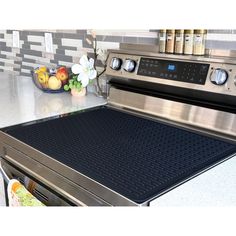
{"x": 16, "y": 39}
{"x": 48, "y": 42}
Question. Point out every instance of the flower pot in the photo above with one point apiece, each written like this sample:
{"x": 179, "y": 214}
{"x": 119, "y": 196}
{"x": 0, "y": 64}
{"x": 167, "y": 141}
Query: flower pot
{"x": 76, "y": 93}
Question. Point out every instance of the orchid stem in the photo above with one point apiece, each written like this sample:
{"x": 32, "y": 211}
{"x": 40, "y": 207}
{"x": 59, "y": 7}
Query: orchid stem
{"x": 95, "y": 62}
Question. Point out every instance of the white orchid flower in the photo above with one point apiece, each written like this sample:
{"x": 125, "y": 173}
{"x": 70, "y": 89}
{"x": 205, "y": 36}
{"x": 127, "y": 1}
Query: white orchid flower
{"x": 85, "y": 70}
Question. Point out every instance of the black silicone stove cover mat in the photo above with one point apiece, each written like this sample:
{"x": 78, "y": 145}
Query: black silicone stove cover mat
{"x": 136, "y": 157}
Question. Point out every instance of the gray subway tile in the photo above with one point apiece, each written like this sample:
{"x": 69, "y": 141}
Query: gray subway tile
{"x": 9, "y": 31}
{"x": 130, "y": 39}
{"x": 18, "y": 62}
{"x": 29, "y": 60}
{"x": 6, "y": 49}
{"x": 72, "y": 31}
{"x": 85, "y": 44}
{"x": 2, "y": 63}
{"x": 26, "y": 46}
{"x": 23, "y": 33}
{"x": 36, "y": 33}
{"x": 57, "y": 41}
{"x": 109, "y": 38}
{"x": 11, "y": 64}
{"x": 143, "y": 40}
{"x": 81, "y": 31}
{"x": 30, "y": 52}
{"x": 3, "y": 44}
{"x": 1, "y": 70}
{"x": 60, "y": 51}
{"x": 226, "y": 45}
{"x": 57, "y": 35}
{"x": 73, "y": 36}
{"x": 54, "y": 61}
{"x": 67, "y": 48}
{"x": 3, "y": 56}
{"x": 26, "y": 74}
{"x": 1, "y": 36}
{"x": 24, "y": 38}
{"x": 220, "y": 31}
{"x": 34, "y": 43}
{"x": 27, "y": 67}
{"x": 59, "y": 57}
{"x": 154, "y": 30}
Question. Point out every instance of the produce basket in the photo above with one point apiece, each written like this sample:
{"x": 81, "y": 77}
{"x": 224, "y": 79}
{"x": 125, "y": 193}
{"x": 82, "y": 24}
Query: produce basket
{"x": 50, "y": 80}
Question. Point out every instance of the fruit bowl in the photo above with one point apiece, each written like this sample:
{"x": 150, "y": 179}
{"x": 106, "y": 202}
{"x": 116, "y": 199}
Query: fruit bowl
{"x": 50, "y": 80}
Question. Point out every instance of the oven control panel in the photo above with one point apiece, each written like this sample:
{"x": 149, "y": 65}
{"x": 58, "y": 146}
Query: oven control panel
{"x": 190, "y": 72}
{"x": 174, "y": 70}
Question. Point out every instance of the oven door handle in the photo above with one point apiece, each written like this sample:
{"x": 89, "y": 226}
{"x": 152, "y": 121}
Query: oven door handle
{"x": 4, "y": 174}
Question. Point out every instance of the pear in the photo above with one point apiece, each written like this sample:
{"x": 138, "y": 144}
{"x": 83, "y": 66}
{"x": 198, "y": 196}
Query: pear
{"x": 54, "y": 83}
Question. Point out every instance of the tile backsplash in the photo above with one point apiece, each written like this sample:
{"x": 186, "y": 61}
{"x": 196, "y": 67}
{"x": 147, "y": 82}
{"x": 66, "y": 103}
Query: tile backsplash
{"x": 70, "y": 45}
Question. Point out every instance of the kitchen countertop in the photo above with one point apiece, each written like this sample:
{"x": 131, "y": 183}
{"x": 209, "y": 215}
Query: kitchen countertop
{"x": 213, "y": 188}
{"x": 21, "y": 101}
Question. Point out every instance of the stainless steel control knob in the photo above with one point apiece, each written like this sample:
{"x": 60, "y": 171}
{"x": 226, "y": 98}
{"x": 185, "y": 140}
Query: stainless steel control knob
{"x": 116, "y": 63}
{"x": 129, "y": 65}
{"x": 219, "y": 76}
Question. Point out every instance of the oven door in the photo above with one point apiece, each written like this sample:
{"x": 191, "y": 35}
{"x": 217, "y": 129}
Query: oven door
{"x": 39, "y": 190}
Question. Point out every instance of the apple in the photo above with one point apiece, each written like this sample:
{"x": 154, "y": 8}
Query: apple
{"x": 62, "y": 74}
{"x": 54, "y": 83}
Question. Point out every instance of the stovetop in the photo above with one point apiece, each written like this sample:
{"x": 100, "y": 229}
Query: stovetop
{"x": 137, "y": 157}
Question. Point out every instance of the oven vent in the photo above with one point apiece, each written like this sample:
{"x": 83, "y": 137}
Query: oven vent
{"x": 40, "y": 195}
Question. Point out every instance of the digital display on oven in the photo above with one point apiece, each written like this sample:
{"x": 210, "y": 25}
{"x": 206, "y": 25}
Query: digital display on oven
{"x": 171, "y": 67}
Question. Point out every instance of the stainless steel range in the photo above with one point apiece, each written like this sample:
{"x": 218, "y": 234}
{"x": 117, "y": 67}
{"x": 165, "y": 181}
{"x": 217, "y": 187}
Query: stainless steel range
{"x": 168, "y": 119}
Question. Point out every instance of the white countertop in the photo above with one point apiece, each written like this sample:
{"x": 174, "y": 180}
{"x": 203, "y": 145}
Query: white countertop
{"x": 21, "y": 101}
{"x": 213, "y": 188}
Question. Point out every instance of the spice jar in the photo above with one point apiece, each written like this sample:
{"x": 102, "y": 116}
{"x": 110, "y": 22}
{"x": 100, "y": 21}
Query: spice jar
{"x": 199, "y": 42}
{"x": 170, "y": 41}
{"x": 188, "y": 42}
{"x": 179, "y": 41}
{"x": 162, "y": 40}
